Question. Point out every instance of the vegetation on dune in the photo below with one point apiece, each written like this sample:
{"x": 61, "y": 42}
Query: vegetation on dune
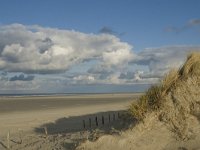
{"x": 150, "y": 101}
{"x": 154, "y": 97}
{"x": 176, "y": 96}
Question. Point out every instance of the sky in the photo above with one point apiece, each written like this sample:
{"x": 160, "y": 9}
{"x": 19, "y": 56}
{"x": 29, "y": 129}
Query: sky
{"x": 75, "y": 46}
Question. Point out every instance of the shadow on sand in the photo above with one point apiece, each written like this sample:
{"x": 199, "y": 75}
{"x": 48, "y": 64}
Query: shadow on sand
{"x": 105, "y": 121}
{"x": 75, "y": 129}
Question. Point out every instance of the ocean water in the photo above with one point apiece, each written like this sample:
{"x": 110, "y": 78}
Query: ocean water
{"x": 82, "y": 89}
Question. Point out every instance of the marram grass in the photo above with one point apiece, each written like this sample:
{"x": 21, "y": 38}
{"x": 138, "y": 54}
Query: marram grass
{"x": 154, "y": 98}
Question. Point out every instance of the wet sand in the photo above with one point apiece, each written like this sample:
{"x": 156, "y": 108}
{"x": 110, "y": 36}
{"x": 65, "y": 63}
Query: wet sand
{"x": 21, "y": 104}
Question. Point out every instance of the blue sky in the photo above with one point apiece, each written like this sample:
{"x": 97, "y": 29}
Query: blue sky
{"x": 142, "y": 22}
{"x": 140, "y": 30}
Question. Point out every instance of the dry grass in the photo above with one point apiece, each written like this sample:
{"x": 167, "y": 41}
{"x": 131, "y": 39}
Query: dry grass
{"x": 169, "y": 81}
{"x": 174, "y": 97}
{"x": 150, "y": 101}
{"x": 192, "y": 66}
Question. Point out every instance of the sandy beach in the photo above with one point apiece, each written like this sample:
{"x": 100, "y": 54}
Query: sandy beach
{"x": 38, "y": 103}
{"x": 28, "y": 115}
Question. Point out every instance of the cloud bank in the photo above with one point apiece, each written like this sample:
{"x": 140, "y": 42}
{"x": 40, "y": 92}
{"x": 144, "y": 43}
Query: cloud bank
{"x": 35, "y": 57}
{"x": 22, "y": 77}
{"x": 34, "y": 49}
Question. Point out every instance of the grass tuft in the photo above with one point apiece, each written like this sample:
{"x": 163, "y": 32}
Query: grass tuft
{"x": 148, "y": 102}
{"x": 192, "y": 66}
{"x": 155, "y": 99}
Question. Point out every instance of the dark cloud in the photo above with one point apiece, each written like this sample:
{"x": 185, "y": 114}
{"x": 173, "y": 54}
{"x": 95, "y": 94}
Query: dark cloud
{"x": 190, "y": 24}
{"x": 22, "y": 77}
{"x": 127, "y": 75}
{"x": 107, "y": 30}
{"x": 99, "y": 70}
{"x": 148, "y": 75}
{"x": 44, "y": 45}
{"x": 102, "y": 71}
{"x": 3, "y": 76}
{"x": 4, "y": 73}
{"x": 194, "y": 22}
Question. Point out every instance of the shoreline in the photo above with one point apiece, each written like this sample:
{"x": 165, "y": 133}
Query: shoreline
{"x": 64, "y": 94}
{"x": 13, "y": 104}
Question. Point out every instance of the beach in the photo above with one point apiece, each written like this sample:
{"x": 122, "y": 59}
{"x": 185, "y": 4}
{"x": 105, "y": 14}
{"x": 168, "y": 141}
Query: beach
{"x": 28, "y": 115}
{"x": 38, "y": 103}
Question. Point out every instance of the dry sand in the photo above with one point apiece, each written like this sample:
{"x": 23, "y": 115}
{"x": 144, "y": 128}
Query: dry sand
{"x": 25, "y": 118}
{"x": 150, "y": 135}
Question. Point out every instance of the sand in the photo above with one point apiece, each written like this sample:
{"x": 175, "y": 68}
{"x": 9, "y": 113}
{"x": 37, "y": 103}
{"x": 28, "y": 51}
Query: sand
{"x": 150, "y": 135}
{"x": 62, "y": 117}
{"x": 168, "y": 115}
{"x": 24, "y": 118}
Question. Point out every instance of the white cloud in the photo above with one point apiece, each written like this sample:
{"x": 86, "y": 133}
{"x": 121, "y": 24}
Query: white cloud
{"x": 118, "y": 57}
{"x": 45, "y": 51}
{"x": 34, "y": 49}
{"x": 161, "y": 60}
{"x": 83, "y": 79}
{"x": 18, "y": 85}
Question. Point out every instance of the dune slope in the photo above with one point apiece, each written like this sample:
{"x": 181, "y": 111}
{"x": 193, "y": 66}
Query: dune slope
{"x": 168, "y": 115}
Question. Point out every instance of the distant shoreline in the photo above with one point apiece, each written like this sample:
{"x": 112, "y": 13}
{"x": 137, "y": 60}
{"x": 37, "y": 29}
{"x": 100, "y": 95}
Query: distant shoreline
{"x": 38, "y": 102}
{"x": 64, "y": 94}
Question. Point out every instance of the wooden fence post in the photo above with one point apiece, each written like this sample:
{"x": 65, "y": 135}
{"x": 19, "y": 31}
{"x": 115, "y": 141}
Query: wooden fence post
{"x": 8, "y": 140}
{"x": 96, "y": 120}
{"x": 90, "y": 123}
{"x": 20, "y": 136}
{"x": 113, "y": 117}
{"x": 83, "y": 124}
{"x": 102, "y": 120}
{"x": 46, "y": 131}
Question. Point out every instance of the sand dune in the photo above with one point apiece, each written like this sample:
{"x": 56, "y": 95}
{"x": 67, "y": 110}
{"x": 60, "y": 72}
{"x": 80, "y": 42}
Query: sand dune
{"x": 167, "y": 115}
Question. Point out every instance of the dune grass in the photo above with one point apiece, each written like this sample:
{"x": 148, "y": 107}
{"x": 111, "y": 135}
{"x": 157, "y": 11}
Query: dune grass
{"x": 154, "y": 98}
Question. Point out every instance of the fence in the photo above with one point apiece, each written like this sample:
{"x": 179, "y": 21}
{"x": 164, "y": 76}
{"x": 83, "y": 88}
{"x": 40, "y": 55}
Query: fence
{"x": 101, "y": 120}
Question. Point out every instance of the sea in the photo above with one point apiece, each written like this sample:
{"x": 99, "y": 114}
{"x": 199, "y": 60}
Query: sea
{"x": 82, "y": 90}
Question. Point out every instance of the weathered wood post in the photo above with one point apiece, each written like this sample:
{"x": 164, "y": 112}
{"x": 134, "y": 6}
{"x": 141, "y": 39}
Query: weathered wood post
{"x": 84, "y": 124}
{"x": 113, "y": 117}
{"x": 118, "y": 115}
{"x": 96, "y": 120}
{"x": 109, "y": 118}
{"x": 8, "y": 140}
{"x": 90, "y": 123}
{"x": 46, "y": 131}
{"x": 20, "y": 136}
{"x": 102, "y": 120}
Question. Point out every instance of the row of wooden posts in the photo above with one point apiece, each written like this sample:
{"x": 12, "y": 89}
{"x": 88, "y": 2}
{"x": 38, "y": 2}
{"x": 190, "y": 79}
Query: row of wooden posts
{"x": 111, "y": 118}
{"x": 102, "y": 122}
